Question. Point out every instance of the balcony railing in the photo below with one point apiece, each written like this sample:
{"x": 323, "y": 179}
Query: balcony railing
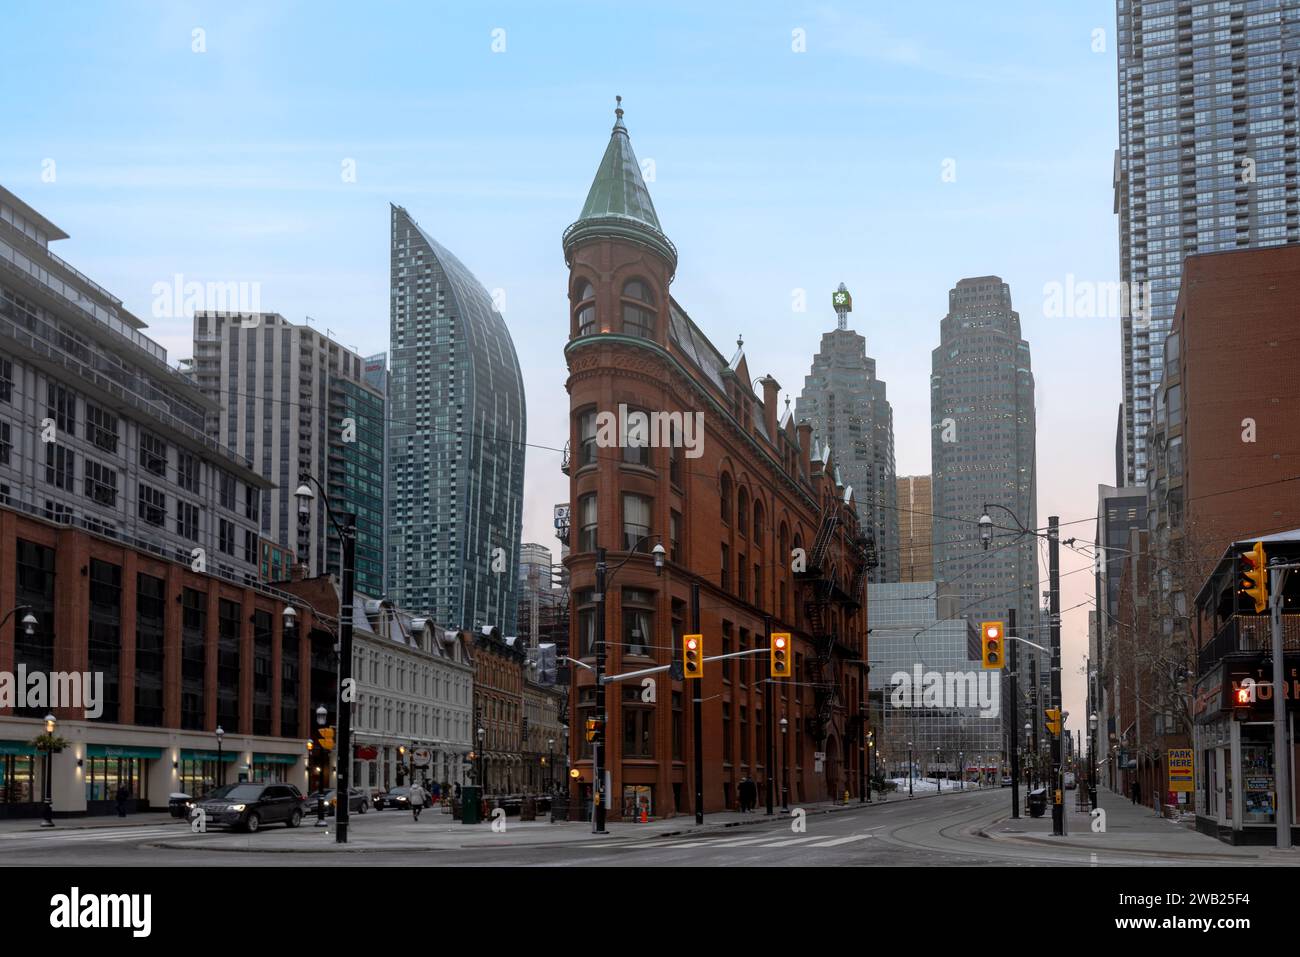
{"x": 1248, "y": 634}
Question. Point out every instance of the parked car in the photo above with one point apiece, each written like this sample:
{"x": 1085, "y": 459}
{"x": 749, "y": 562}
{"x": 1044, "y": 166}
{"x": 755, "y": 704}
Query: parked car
{"x": 376, "y": 796}
{"x": 249, "y": 806}
{"x": 357, "y": 800}
{"x": 1069, "y": 780}
{"x": 1006, "y": 780}
{"x": 396, "y": 797}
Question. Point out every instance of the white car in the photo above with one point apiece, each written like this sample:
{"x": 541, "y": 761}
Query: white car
{"x": 1069, "y": 780}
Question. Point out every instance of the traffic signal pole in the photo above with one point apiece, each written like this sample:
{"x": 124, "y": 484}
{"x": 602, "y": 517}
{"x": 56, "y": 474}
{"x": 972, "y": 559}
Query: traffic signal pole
{"x": 1054, "y": 608}
{"x": 1281, "y": 753}
{"x": 769, "y": 759}
{"x": 697, "y": 712}
{"x": 1014, "y": 739}
{"x": 598, "y": 746}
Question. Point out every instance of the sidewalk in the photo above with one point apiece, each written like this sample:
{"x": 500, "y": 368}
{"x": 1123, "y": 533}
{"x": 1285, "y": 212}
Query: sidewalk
{"x": 1130, "y": 828}
{"x": 99, "y": 821}
{"x": 436, "y": 831}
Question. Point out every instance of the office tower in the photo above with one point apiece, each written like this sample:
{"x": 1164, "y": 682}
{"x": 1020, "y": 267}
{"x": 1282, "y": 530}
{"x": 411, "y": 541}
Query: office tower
{"x": 846, "y": 405}
{"x": 456, "y": 439}
{"x": 293, "y": 400}
{"x": 921, "y": 623}
{"x": 1206, "y": 161}
{"x": 982, "y": 449}
{"x": 97, "y": 431}
{"x": 375, "y": 371}
{"x": 915, "y": 529}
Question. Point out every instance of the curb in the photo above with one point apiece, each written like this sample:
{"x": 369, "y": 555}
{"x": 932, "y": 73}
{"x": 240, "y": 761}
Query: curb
{"x": 1058, "y": 843}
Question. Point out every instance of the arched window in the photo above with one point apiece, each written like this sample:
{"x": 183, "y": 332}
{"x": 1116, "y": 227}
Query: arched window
{"x": 742, "y": 511}
{"x": 638, "y": 310}
{"x": 726, "y": 498}
{"x": 784, "y": 542}
{"x": 758, "y": 523}
{"x": 585, "y": 310}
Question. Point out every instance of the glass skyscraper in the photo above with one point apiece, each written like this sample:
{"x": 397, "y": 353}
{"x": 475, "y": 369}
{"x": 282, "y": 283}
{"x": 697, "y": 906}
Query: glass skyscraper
{"x": 456, "y": 440}
{"x": 982, "y": 450}
{"x": 1206, "y": 160}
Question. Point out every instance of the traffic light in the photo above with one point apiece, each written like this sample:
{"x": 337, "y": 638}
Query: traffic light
{"x": 780, "y": 655}
{"x": 992, "y": 637}
{"x": 1255, "y": 572}
{"x": 595, "y": 729}
{"x": 326, "y": 737}
{"x": 693, "y": 656}
{"x": 1243, "y": 697}
{"x": 1054, "y": 721}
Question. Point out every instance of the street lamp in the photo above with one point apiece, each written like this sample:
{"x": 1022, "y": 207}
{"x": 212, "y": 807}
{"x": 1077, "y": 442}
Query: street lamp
{"x": 482, "y": 734}
{"x": 909, "y": 769}
{"x": 785, "y": 767}
{"x": 961, "y": 769}
{"x": 938, "y": 759}
{"x": 550, "y": 765}
{"x": 221, "y": 762}
{"x": 49, "y": 762}
{"x": 321, "y": 717}
{"x": 1092, "y": 760}
{"x": 290, "y": 617}
{"x": 347, "y": 532}
{"x": 28, "y": 620}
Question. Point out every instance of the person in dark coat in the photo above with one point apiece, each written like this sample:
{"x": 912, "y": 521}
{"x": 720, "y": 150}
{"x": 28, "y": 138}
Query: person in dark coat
{"x": 1136, "y": 791}
{"x": 123, "y": 794}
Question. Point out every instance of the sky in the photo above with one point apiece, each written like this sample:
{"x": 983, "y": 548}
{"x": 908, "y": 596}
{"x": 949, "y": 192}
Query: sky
{"x": 788, "y": 147}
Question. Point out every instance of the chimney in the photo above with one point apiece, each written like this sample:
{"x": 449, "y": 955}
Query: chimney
{"x": 804, "y": 429}
{"x": 770, "y": 390}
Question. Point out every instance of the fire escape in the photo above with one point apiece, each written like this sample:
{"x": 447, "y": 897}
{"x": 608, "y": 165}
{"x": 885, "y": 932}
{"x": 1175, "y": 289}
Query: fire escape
{"x": 826, "y": 585}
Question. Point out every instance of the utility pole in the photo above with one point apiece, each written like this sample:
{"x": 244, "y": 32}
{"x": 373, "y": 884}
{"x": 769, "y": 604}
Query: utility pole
{"x": 697, "y": 707}
{"x": 1281, "y": 754}
{"x": 1054, "y": 610}
{"x": 1014, "y": 738}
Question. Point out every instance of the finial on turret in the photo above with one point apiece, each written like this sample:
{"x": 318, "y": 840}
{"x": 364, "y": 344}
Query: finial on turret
{"x": 618, "y": 109}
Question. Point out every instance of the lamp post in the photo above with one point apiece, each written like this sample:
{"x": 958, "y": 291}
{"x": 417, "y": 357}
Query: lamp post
{"x": 347, "y": 532}
{"x": 1032, "y": 768}
{"x": 603, "y": 575}
{"x": 909, "y": 769}
{"x": 49, "y": 765}
{"x": 322, "y": 716}
{"x": 28, "y": 620}
{"x": 785, "y": 767}
{"x": 1092, "y": 760}
{"x": 938, "y": 759}
{"x": 221, "y": 756}
{"x": 550, "y": 765}
{"x": 482, "y": 782}
{"x": 961, "y": 769}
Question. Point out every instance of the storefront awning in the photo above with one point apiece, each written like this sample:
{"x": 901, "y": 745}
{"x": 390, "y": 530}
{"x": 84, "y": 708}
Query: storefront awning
{"x": 16, "y": 747}
{"x": 274, "y": 758}
{"x": 121, "y": 751}
{"x": 225, "y": 757}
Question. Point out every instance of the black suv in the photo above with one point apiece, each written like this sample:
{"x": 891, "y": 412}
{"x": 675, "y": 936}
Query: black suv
{"x": 249, "y": 806}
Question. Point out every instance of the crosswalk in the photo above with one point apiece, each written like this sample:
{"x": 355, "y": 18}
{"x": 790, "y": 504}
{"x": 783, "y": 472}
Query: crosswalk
{"x": 98, "y": 835}
{"x": 766, "y": 840}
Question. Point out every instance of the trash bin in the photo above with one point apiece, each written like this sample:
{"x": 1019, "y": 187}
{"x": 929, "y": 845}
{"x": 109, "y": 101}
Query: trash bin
{"x": 471, "y": 804}
{"x": 178, "y": 804}
{"x": 1036, "y": 802}
{"x": 528, "y": 810}
{"x": 559, "y": 808}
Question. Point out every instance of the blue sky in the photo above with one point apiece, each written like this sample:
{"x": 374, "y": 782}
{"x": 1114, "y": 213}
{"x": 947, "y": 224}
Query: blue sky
{"x": 774, "y": 170}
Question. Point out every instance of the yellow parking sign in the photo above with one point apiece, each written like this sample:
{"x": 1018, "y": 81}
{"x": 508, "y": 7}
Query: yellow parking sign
{"x": 1182, "y": 773}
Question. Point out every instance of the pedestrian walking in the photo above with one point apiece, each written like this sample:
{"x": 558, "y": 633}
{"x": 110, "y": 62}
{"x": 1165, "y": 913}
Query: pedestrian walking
{"x": 416, "y": 798}
{"x": 123, "y": 794}
{"x": 1136, "y": 790}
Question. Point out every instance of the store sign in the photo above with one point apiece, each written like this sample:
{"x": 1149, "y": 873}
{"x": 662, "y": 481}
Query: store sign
{"x": 1182, "y": 773}
{"x": 367, "y": 752}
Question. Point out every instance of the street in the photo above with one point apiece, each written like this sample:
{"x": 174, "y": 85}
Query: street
{"x": 943, "y": 830}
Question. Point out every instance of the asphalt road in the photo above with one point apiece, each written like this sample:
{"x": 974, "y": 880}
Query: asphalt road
{"x": 924, "y": 832}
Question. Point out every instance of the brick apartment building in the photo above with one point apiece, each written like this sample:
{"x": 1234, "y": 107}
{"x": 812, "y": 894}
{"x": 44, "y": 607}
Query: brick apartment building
{"x": 729, "y": 511}
{"x": 1224, "y": 457}
{"x": 499, "y": 664}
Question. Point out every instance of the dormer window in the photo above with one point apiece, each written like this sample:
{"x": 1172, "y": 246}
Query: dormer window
{"x": 639, "y": 313}
{"x": 585, "y": 310}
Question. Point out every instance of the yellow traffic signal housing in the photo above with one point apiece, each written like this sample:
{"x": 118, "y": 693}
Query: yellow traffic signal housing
{"x": 992, "y": 645}
{"x": 1255, "y": 572}
{"x": 327, "y": 738}
{"x": 1054, "y": 721}
{"x": 595, "y": 729}
{"x": 781, "y": 655}
{"x": 692, "y": 656}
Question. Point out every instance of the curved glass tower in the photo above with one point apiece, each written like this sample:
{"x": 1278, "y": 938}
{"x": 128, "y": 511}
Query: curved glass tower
{"x": 456, "y": 439}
